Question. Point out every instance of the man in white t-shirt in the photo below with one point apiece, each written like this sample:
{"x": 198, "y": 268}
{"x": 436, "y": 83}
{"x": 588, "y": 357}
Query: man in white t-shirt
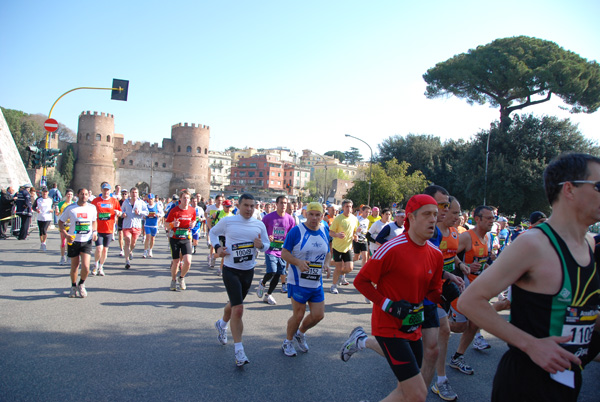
{"x": 43, "y": 207}
{"x": 82, "y": 231}
{"x": 376, "y": 228}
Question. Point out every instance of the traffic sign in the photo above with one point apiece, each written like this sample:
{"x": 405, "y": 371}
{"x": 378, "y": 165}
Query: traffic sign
{"x": 51, "y": 125}
{"x": 394, "y": 205}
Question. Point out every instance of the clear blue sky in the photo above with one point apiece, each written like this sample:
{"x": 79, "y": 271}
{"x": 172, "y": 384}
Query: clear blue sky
{"x": 271, "y": 73}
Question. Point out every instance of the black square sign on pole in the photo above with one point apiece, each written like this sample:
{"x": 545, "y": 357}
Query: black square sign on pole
{"x": 120, "y": 88}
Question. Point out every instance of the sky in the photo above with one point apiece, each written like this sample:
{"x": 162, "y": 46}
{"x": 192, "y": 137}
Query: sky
{"x": 268, "y": 74}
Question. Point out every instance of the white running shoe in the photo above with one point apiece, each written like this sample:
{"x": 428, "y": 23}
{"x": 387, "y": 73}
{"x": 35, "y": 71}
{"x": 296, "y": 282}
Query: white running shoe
{"x": 260, "y": 290}
{"x": 350, "y": 347}
{"x": 182, "y": 285}
{"x": 100, "y": 271}
{"x": 301, "y": 340}
{"x": 145, "y": 255}
{"x": 81, "y": 290}
{"x": 150, "y": 253}
{"x": 73, "y": 292}
{"x": 94, "y": 272}
{"x": 288, "y": 348}
{"x": 222, "y": 336}
{"x": 479, "y": 342}
{"x": 269, "y": 299}
{"x": 173, "y": 286}
{"x": 241, "y": 358}
{"x": 333, "y": 290}
{"x": 122, "y": 253}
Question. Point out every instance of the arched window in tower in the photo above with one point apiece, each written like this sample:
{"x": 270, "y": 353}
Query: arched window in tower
{"x": 198, "y": 150}
{"x": 155, "y": 164}
{"x": 178, "y": 148}
{"x": 108, "y": 138}
{"x": 87, "y": 137}
{"x": 188, "y": 149}
{"x": 98, "y": 137}
{"x": 130, "y": 162}
{"x": 164, "y": 165}
{"x": 122, "y": 161}
{"x": 205, "y": 151}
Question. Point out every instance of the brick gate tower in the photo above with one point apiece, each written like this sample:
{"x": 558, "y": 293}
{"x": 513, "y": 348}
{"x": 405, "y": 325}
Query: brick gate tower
{"x": 190, "y": 159}
{"x": 95, "y": 151}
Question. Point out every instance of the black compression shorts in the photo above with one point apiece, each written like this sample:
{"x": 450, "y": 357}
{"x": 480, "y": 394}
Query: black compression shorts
{"x": 403, "y": 356}
{"x": 237, "y": 283}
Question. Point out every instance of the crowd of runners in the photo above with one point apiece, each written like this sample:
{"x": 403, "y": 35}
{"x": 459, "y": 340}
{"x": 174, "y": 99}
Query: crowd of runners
{"x": 428, "y": 270}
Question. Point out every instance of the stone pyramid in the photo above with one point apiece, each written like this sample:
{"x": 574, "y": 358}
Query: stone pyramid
{"x": 12, "y": 169}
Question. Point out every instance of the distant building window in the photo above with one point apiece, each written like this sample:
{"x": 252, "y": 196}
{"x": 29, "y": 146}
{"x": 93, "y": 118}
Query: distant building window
{"x": 98, "y": 137}
{"x": 188, "y": 149}
{"x": 164, "y": 165}
{"x": 130, "y": 162}
{"x": 178, "y": 148}
{"x": 108, "y": 138}
{"x": 155, "y": 164}
{"x": 260, "y": 174}
{"x": 198, "y": 150}
{"x": 122, "y": 161}
{"x": 205, "y": 151}
{"x": 87, "y": 136}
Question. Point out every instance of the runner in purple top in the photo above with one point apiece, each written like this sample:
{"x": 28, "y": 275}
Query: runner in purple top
{"x": 278, "y": 225}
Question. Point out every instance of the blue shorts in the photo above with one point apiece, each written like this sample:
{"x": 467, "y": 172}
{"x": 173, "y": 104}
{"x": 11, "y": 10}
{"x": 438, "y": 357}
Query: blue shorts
{"x": 274, "y": 264}
{"x": 196, "y": 235}
{"x": 150, "y": 231}
{"x": 303, "y": 295}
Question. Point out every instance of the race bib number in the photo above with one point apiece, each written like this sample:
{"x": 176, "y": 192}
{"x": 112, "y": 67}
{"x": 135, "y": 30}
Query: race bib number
{"x": 579, "y": 325}
{"x": 449, "y": 265}
{"x": 182, "y": 233}
{"x": 82, "y": 227}
{"x": 151, "y": 214}
{"x": 242, "y": 252}
{"x": 276, "y": 244}
{"x": 315, "y": 270}
{"x": 413, "y": 320}
{"x": 104, "y": 216}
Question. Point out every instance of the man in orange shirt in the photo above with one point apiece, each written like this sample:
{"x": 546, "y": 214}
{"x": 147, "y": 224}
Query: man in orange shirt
{"x": 108, "y": 208}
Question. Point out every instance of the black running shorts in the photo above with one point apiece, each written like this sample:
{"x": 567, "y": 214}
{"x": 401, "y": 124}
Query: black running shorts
{"x": 237, "y": 283}
{"x": 403, "y": 356}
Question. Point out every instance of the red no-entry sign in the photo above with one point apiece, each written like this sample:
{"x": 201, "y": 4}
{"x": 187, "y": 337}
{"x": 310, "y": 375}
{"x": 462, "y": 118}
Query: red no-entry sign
{"x": 51, "y": 125}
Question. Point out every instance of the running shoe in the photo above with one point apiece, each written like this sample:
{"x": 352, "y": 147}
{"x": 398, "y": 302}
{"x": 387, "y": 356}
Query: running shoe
{"x": 81, "y": 290}
{"x": 240, "y": 358}
{"x": 131, "y": 255}
{"x": 212, "y": 262}
{"x": 284, "y": 288}
{"x": 193, "y": 249}
{"x": 479, "y": 342}
{"x": 301, "y": 340}
{"x": 122, "y": 253}
{"x": 350, "y": 347}
{"x": 145, "y": 255}
{"x": 43, "y": 247}
{"x": 150, "y": 253}
{"x": 444, "y": 391}
{"x": 174, "y": 285}
{"x": 333, "y": 290}
{"x": 100, "y": 271}
{"x": 63, "y": 260}
{"x": 182, "y": 285}
{"x": 288, "y": 348}
{"x": 269, "y": 299}
{"x": 127, "y": 264}
{"x": 343, "y": 281}
{"x": 73, "y": 292}
{"x": 222, "y": 333}
{"x": 460, "y": 365}
{"x": 260, "y": 290}
{"x": 94, "y": 272}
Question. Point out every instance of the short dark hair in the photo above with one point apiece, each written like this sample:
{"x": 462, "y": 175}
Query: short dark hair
{"x": 280, "y": 198}
{"x": 477, "y": 211}
{"x": 246, "y": 196}
{"x": 434, "y": 188}
{"x": 568, "y": 166}
{"x": 385, "y": 211}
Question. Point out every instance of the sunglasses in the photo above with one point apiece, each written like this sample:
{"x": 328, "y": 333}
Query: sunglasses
{"x": 443, "y": 205}
{"x": 595, "y": 183}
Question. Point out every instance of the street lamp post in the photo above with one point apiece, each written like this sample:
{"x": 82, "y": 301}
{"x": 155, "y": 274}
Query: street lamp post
{"x": 370, "y": 165}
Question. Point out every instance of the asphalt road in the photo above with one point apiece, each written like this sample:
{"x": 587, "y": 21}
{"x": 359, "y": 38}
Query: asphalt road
{"x": 132, "y": 339}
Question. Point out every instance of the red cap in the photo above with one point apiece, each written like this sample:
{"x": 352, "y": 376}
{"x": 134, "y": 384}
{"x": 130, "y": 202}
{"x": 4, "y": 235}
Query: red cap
{"x": 227, "y": 203}
{"x": 416, "y": 202}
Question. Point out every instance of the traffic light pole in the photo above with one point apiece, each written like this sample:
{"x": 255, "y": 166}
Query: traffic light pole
{"x": 119, "y": 93}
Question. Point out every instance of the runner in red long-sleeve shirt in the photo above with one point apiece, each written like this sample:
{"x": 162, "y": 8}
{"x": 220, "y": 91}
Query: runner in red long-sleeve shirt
{"x": 405, "y": 270}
